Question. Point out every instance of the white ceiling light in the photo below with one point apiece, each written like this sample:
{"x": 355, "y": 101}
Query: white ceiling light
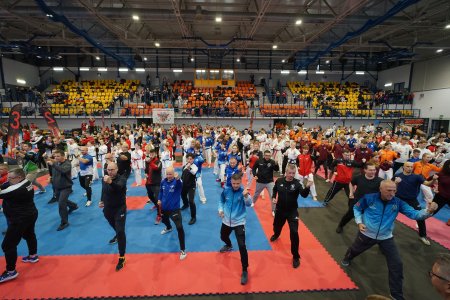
{"x": 192, "y": 59}
{"x": 218, "y": 19}
{"x": 327, "y": 62}
{"x": 298, "y": 22}
{"x": 102, "y": 69}
{"x": 136, "y": 17}
{"x": 200, "y": 71}
{"x": 145, "y": 58}
{"x": 439, "y": 50}
{"x": 447, "y": 27}
{"x": 58, "y": 68}
{"x": 238, "y": 59}
{"x": 302, "y": 72}
{"x": 320, "y": 72}
{"x": 123, "y": 69}
{"x": 177, "y": 71}
{"x": 214, "y": 71}
{"x": 274, "y": 47}
{"x": 21, "y": 81}
{"x": 84, "y": 68}
{"x": 283, "y": 61}
{"x": 140, "y": 70}
{"x": 284, "y": 71}
{"x": 359, "y": 72}
{"x": 388, "y": 84}
{"x": 97, "y": 57}
{"x": 157, "y": 44}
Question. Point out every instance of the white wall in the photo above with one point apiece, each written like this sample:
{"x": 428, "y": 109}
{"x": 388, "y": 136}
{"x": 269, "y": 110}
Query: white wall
{"x": 433, "y": 103}
{"x": 13, "y": 70}
{"x": 394, "y": 75}
{"x": 432, "y": 74}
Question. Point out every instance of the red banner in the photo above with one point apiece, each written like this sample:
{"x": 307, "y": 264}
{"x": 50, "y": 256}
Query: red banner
{"x": 14, "y": 126}
{"x": 51, "y": 122}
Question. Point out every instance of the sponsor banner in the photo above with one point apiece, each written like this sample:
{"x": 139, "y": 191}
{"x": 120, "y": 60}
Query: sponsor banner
{"x": 163, "y": 115}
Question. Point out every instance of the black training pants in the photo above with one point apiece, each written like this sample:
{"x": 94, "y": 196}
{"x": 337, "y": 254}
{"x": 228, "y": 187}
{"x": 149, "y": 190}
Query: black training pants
{"x": 188, "y": 196}
{"x": 116, "y": 217}
{"x": 175, "y": 216}
{"x": 239, "y": 232}
{"x": 85, "y": 182}
{"x": 291, "y": 217}
{"x": 335, "y": 188}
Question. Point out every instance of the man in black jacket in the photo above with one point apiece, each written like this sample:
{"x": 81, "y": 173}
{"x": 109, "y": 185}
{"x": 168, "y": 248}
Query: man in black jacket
{"x": 124, "y": 161}
{"x": 113, "y": 202}
{"x": 153, "y": 174}
{"x": 62, "y": 184}
{"x": 189, "y": 184}
{"x": 263, "y": 174}
{"x": 288, "y": 188}
{"x": 21, "y": 215}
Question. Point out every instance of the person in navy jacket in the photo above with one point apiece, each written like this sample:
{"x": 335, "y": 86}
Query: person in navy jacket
{"x": 232, "y": 210}
{"x": 375, "y": 215}
{"x": 169, "y": 200}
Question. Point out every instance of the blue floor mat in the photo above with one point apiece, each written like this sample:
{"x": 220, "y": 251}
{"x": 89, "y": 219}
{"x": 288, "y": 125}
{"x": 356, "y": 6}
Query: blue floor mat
{"x": 89, "y": 232}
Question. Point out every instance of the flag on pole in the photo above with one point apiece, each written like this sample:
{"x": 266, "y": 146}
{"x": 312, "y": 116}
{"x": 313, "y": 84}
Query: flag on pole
{"x": 51, "y": 122}
{"x": 14, "y": 126}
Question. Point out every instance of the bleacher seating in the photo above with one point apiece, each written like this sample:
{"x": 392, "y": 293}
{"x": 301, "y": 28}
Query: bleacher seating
{"x": 282, "y": 110}
{"x": 90, "y": 97}
{"x": 141, "y": 109}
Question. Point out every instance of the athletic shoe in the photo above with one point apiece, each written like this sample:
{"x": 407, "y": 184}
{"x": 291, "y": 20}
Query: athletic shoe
{"x": 325, "y": 203}
{"x": 222, "y": 184}
{"x": 252, "y": 205}
{"x": 273, "y": 238}
{"x": 185, "y": 206}
{"x": 62, "y": 226}
{"x": 192, "y": 221}
{"x": 226, "y": 248}
{"x": 120, "y": 263}
{"x": 30, "y": 259}
{"x": 71, "y": 209}
{"x": 296, "y": 263}
{"x": 203, "y": 201}
{"x": 8, "y": 275}
{"x": 244, "y": 277}
{"x": 158, "y": 220}
{"x": 165, "y": 230}
{"x": 339, "y": 229}
{"x": 53, "y": 200}
{"x": 273, "y": 213}
{"x": 217, "y": 180}
{"x": 425, "y": 240}
{"x": 113, "y": 241}
{"x": 183, "y": 254}
{"x": 328, "y": 180}
{"x": 315, "y": 198}
{"x": 345, "y": 262}
{"x": 88, "y": 203}
{"x": 85, "y": 194}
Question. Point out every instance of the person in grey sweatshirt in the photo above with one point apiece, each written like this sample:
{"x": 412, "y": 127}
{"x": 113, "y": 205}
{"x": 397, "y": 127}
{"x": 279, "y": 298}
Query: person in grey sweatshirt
{"x": 62, "y": 184}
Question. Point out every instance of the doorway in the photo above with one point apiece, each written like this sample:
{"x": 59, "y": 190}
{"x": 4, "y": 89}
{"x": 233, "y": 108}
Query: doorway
{"x": 439, "y": 126}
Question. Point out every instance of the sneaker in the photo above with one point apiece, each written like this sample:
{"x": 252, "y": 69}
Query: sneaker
{"x": 8, "y": 275}
{"x": 315, "y": 198}
{"x": 425, "y": 240}
{"x": 325, "y": 203}
{"x": 244, "y": 277}
{"x": 53, "y": 200}
{"x": 183, "y": 254}
{"x": 30, "y": 259}
{"x": 217, "y": 180}
{"x": 345, "y": 262}
{"x": 226, "y": 248}
{"x": 88, "y": 203}
{"x": 296, "y": 263}
{"x": 62, "y": 226}
{"x": 71, "y": 209}
{"x": 165, "y": 230}
{"x": 328, "y": 180}
{"x": 339, "y": 229}
{"x": 252, "y": 205}
{"x": 192, "y": 221}
{"x": 273, "y": 213}
{"x": 113, "y": 241}
{"x": 222, "y": 184}
{"x": 185, "y": 206}
{"x": 273, "y": 238}
{"x": 158, "y": 220}
{"x": 120, "y": 263}
{"x": 203, "y": 201}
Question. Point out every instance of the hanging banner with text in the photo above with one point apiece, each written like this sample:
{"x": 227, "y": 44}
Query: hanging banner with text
{"x": 51, "y": 122}
{"x": 14, "y": 126}
{"x": 163, "y": 115}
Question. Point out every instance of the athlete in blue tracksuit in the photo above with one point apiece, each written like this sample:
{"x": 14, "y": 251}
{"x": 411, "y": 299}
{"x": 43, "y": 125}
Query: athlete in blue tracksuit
{"x": 198, "y": 161}
{"x": 375, "y": 215}
{"x": 230, "y": 170}
{"x": 232, "y": 203}
{"x": 169, "y": 199}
